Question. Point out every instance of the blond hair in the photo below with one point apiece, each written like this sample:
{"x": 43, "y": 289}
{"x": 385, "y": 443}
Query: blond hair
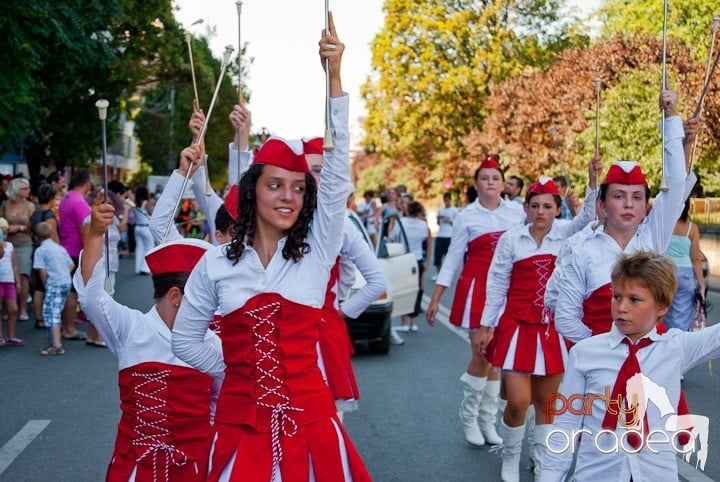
{"x": 651, "y": 270}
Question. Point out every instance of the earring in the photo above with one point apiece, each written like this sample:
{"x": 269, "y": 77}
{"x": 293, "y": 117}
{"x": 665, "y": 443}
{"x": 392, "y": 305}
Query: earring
{"x": 177, "y": 305}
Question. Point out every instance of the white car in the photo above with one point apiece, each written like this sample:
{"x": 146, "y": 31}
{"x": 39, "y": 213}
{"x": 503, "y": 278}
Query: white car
{"x": 401, "y": 271}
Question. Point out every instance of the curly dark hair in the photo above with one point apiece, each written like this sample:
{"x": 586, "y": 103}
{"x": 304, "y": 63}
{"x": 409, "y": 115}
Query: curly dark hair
{"x": 246, "y": 223}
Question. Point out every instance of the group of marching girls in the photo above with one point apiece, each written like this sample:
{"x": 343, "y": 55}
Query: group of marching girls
{"x": 533, "y": 285}
{"x": 241, "y": 370}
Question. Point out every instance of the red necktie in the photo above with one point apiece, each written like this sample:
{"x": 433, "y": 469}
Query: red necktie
{"x": 630, "y": 368}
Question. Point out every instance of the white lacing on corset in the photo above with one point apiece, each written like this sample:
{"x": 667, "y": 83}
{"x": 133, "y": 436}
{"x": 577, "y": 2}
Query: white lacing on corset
{"x": 151, "y": 432}
{"x": 281, "y": 421}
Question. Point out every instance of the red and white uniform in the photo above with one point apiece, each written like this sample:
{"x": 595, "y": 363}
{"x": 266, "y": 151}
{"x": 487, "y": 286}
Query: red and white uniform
{"x": 582, "y": 308}
{"x": 164, "y": 431}
{"x": 335, "y": 345}
{"x": 276, "y": 417}
{"x": 525, "y": 339}
{"x": 476, "y": 231}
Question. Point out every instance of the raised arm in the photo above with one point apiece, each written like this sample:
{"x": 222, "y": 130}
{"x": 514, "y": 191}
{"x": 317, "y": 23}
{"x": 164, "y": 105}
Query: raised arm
{"x": 113, "y": 321}
{"x": 587, "y": 213}
{"x": 668, "y": 205}
{"x": 163, "y": 212}
{"x": 239, "y": 157}
{"x": 335, "y": 185}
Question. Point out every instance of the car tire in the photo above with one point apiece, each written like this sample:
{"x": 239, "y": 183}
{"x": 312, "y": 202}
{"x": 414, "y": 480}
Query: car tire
{"x": 382, "y": 346}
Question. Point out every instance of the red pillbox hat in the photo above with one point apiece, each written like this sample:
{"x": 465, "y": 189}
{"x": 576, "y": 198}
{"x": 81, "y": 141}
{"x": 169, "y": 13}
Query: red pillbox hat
{"x": 625, "y": 172}
{"x": 544, "y": 185}
{"x": 176, "y": 256}
{"x": 490, "y": 162}
{"x": 283, "y": 153}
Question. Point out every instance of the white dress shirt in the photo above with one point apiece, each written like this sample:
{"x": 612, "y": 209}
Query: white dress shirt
{"x": 218, "y": 283}
{"x": 593, "y": 365}
{"x": 472, "y": 222}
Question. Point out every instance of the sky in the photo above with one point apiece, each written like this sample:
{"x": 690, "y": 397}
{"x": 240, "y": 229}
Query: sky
{"x": 286, "y": 80}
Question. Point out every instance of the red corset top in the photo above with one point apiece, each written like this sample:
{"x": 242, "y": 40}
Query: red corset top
{"x": 165, "y": 415}
{"x": 525, "y": 298}
{"x": 596, "y": 310}
{"x": 481, "y": 249}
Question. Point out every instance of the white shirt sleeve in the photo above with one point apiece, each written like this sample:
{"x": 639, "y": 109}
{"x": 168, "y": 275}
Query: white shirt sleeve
{"x": 163, "y": 212}
{"x": 699, "y": 346}
{"x": 208, "y": 205}
{"x": 668, "y": 205}
{"x": 498, "y": 280}
{"x": 555, "y": 466}
{"x": 364, "y": 258}
{"x": 238, "y": 167}
{"x": 335, "y": 186}
{"x": 571, "y": 295}
{"x": 189, "y": 341}
{"x": 112, "y": 320}
{"x": 456, "y": 252}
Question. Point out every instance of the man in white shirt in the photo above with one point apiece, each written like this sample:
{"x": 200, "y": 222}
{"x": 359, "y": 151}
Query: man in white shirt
{"x": 445, "y": 218}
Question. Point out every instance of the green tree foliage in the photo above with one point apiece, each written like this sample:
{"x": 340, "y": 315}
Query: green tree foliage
{"x": 689, "y": 21}
{"x": 163, "y": 136}
{"x": 524, "y": 108}
{"x": 433, "y": 64}
{"x": 60, "y": 57}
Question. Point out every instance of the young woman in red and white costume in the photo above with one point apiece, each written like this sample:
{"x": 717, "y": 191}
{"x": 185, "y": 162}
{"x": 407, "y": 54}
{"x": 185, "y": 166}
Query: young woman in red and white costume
{"x": 275, "y": 417}
{"x": 475, "y": 232}
{"x": 525, "y": 345}
{"x": 164, "y": 431}
{"x": 582, "y": 307}
{"x": 335, "y": 346}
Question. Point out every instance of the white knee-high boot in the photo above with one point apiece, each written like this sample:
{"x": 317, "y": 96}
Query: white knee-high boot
{"x": 473, "y": 388}
{"x": 539, "y": 446}
{"x": 488, "y": 412}
{"x": 512, "y": 445}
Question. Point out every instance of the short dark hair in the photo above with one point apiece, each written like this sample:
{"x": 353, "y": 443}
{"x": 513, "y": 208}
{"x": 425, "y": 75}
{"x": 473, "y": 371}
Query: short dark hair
{"x": 163, "y": 282}
{"x": 415, "y": 208}
{"x": 54, "y": 176}
{"x": 562, "y": 180}
{"x": 45, "y": 193}
{"x": 80, "y": 178}
{"x": 117, "y": 187}
{"x": 502, "y": 173}
{"x": 141, "y": 194}
{"x": 519, "y": 180}
{"x": 447, "y": 195}
{"x": 604, "y": 190}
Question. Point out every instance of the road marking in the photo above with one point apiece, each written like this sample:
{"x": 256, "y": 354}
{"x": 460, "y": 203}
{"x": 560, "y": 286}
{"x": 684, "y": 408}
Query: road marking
{"x": 686, "y": 471}
{"x": 443, "y": 316}
{"x": 14, "y": 446}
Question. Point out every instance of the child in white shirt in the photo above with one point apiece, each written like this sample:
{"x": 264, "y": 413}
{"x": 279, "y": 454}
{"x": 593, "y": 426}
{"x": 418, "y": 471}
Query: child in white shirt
{"x": 632, "y": 362}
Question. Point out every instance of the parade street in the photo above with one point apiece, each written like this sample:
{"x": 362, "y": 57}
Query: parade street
{"x": 59, "y": 414}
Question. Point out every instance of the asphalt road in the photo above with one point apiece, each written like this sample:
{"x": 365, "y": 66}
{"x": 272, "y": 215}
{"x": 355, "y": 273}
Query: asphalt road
{"x": 59, "y": 414}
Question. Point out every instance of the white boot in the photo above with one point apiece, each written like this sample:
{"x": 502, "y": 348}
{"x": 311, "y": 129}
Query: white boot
{"x": 472, "y": 392}
{"x": 530, "y": 434}
{"x": 488, "y": 410}
{"x": 512, "y": 445}
{"x": 539, "y": 445}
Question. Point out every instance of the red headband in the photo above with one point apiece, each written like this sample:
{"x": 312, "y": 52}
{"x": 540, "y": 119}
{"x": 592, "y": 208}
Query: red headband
{"x": 625, "y": 172}
{"x": 281, "y": 153}
{"x": 177, "y": 256}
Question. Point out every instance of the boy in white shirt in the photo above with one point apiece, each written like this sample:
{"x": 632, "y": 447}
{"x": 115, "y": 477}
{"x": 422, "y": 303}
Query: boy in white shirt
{"x": 632, "y": 440}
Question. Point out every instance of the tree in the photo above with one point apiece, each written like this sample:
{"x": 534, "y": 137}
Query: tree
{"x": 63, "y": 56}
{"x": 523, "y": 109}
{"x": 433, "y": 64}
{"x": 689, "y": 21}
{"x": 165, "y": 109}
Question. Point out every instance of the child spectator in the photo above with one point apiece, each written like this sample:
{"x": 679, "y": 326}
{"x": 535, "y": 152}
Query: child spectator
{"x": 54, "y": 266}
{"x": 643, "y": 285}
{"x": 9, "y": 281}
